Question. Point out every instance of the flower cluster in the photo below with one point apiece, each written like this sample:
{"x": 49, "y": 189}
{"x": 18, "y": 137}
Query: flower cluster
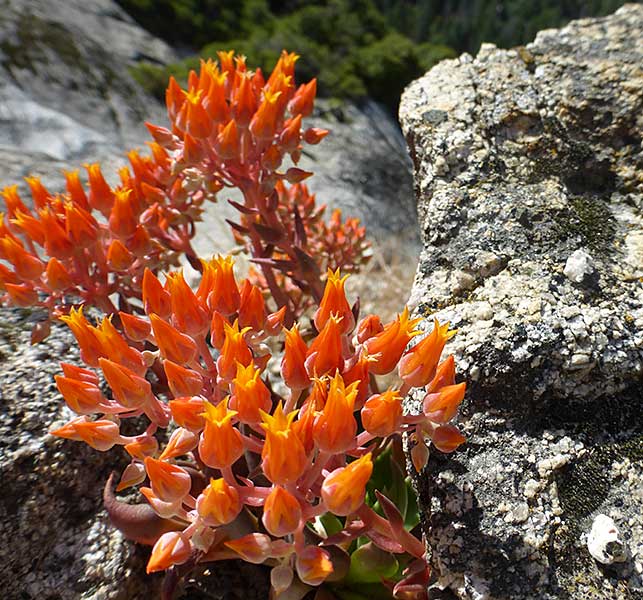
{"x": 261, "y": 425}
{"x": 233, "y": 128}
{"x": 230, "y": 128}
{"x": 258, "y": 437}
{"x": 91, "y": 243}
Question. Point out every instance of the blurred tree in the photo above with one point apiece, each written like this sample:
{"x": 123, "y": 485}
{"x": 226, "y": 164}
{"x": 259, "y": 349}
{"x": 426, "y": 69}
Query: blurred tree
{"x": 355, "y": 48}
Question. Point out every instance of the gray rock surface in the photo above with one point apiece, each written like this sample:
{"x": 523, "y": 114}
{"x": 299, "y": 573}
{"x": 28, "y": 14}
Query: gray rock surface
{"x": 363, "y": 168}
{"x": 522, "y": 159}
{"x": 59, "y": 542}
{"x": 65, "y": 92}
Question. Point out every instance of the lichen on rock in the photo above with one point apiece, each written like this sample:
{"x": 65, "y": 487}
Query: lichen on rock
{"x": 524, "y": 158}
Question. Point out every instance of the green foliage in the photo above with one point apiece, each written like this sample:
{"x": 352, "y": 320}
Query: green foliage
{"x": 465, "y": 24}
{"x": 355, "y": 48}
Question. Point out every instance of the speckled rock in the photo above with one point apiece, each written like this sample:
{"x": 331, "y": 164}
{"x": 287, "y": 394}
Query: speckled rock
{"x": 528, "y": 161}
{"x": 58, "y": 540}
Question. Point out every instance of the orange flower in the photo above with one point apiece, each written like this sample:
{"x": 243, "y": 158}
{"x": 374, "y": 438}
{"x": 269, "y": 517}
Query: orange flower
{"x": 419, "y": 451}
{"x": 252, "y": 311}
{"x": 250, "y": 394}
{"x": 165, "y": 510}
{"x": 142, "y": 446}
{"x": 91, "y": 348}
{"x": 217, "y": 330}
{"x": 75, "y": 372}
{"x": 81, "y": 227}
{"x": 234, "y": 350}
{"x": 447, "y": 438}
{"x": 30, "y": 225}
{"x": 115, "y": 346}
{"x": 264, "y": 122}
{"x": 173, "y": 344}
{"x": 369, "y": 327}
{"x": 334, "y": 303}
{"x": 358, "y": 373}
{"x": 334, "y": 429}
{"x": 15, "y": 207}
{"x": 227, "y": 144}
{"x": 76, "y": 190}
{"x": 218, "y": 288}
{"x": 275, "y": 321}
{"x": 444, "y": 375}
{"x": 343, "y": 490}
{"x": 57, "y": 276}
{"x": 197, "y": 121}
{"x": 325, "y": 353}
{"x": 382, "y": 413}
{"x": 303, "y": 426}
{"x": 101, "y": 434}
{"x": 118, "y": 256}
{"x": 293, "y": 368}
{"x": 21, "y": 294}
{"x": 156, "y": 299}
{"x": 26, "y": 265}
{"x": 136, "y": 328}
{"x": 219, "y": 503}
{"x": 304, "y": 98}
{"x": 314, "y": 135}
{"x": 417, "y": 366}
{"x": 214, "y": 102}
{"x": 244, "y": 102}
{"x": 221, "y": 444}
{"x": 169, "y": 482}
{"x": 82, "y": 397}
{"x": 133, "y": 474}
{"x": 291, "y": 135}
{"x": 313, "y": 565}
{"x": 283, "y": 456}
{"x": 181, "y": 442}
{"x": 101, "y": 196}
{"x": 123, "y": 219}
{"x": 130, "y": 390}
{"x": 57, "y": 243}
{"x": 182, "y": 381}
{"x": 253, "y": 548}
{"x": 391, "y": 342}
{"x": 187, "y": 411}
{"x": 441, "y": 406}
{"x": 172, "y": 548}
{"x": 285, "y": 67}
{"x": 187, "y": 313}
{"x": 281, "y": 512}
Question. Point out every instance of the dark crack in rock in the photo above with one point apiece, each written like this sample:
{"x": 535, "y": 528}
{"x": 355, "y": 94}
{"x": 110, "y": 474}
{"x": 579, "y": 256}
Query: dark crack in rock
{"x": 529, "y": 177}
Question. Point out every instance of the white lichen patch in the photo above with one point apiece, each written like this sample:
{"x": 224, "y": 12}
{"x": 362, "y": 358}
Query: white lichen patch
{"x": 604, "y": 541}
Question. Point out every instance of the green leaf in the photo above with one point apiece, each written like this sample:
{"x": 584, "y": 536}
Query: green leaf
{"x": 412, "y": 515}
{"x": 369, "y": 564}
{"x": 331, "y": 524}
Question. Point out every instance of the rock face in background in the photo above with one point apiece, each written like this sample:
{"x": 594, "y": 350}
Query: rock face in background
{"x": 65, "y": 94}
{"x": 529, "y": 176}
{"x": 66, "y": 99}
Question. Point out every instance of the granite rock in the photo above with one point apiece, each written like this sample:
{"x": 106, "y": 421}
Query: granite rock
{"x": 529, "y": 178}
